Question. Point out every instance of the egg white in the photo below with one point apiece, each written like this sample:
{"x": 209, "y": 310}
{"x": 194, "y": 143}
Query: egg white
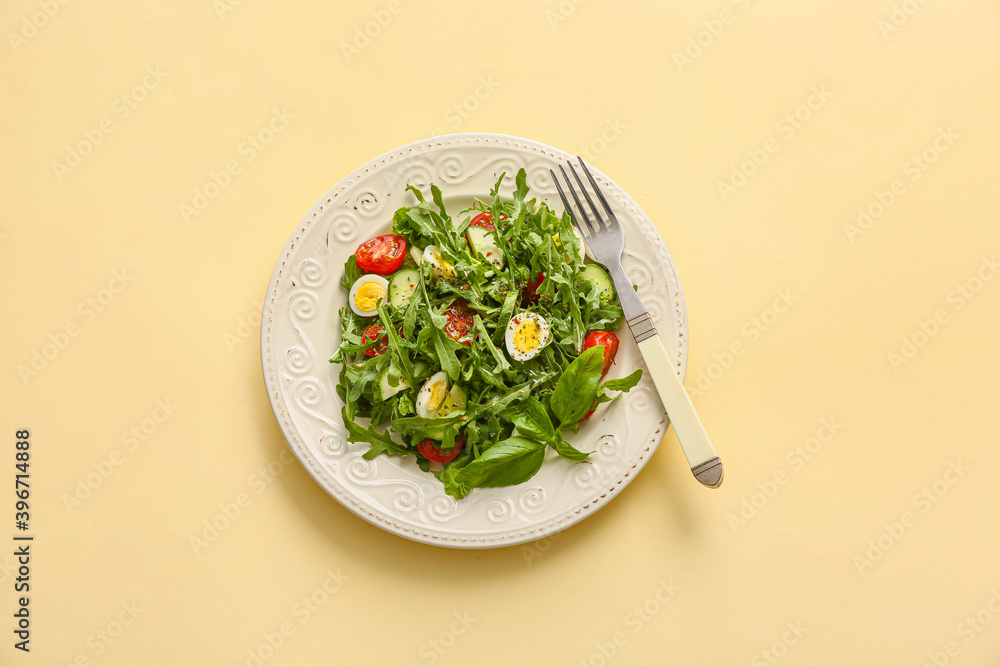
{"x": 416, "y": 253}
{"x": 370, "y": 278}
{"x": 519, "y": 321}
{"x": 441, "y": 267}
{"x": 432, "y": 395}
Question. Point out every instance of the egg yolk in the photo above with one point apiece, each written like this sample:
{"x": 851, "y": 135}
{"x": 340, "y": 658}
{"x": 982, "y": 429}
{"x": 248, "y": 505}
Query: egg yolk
{"x": 368, "y": 296}
{"x": 446, "y": 266}
{"x": 527, "y": 337}
{"x": 438, "y": 393}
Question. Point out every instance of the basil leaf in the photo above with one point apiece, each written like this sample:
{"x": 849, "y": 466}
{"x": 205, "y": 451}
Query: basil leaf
{"x": 528, "y": 427}
{"x": 534, "y": 422}
{"x": 452, "y": 486}
{"x": 513, "y": 461}
{"x": 625, "y": 383}
{"x": 568, "y": 451}
{"x": 577, "y": 387}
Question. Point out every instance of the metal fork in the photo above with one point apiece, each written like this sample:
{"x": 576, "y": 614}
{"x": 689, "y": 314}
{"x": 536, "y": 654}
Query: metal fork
{"x": 607, "y": 241}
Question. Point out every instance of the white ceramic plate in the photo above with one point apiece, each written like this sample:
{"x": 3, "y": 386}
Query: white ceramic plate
{"x": 300, "y": 330}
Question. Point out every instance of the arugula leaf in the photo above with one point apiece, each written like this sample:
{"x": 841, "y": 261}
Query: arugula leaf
{"x": 434, "y": 428}
{"x": 499, "y": 403}
{"x": 381, "y": 442}
{"x": 439, "y": 200}
{"x": 484, "y": 340}
{"x": 416, "y": 193}
{"x": 506, "y": 312}
{"x": 358, "y": 376}
{"x": 396, "y": 345}
{"x": 412, "y": 310}
{"x": 445, "y": 348}
{"x": 351, "y": 273}
{"x": 577, "y": 387}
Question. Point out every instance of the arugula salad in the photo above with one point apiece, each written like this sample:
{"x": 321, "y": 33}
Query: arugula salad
{"x": 473, "y": 343}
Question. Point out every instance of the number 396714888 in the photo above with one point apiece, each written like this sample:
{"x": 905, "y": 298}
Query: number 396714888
{"x": 21, "y": 487}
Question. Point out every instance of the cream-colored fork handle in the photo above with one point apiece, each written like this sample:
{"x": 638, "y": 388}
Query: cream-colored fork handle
{"x": 701, "y": 456}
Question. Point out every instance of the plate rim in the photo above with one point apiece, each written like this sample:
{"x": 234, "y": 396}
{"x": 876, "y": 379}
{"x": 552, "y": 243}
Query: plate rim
{"x": 431, "y": 535}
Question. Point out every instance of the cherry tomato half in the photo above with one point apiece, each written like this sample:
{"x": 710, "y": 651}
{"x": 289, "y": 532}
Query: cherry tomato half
{"x": 460, "y": 321}
{"x": 381, "y": 254}
{"x": 530, "y": 294}
{"x": 374, "y": 332}
{"x": 484, "y": 220}
{"x": 428, "y": 449}
{"x": 610, "y": 343}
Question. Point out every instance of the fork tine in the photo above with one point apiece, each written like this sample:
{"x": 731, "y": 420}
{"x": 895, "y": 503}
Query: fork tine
{"x": 562, "y": 195}
{"x": 600, "y": 194}
{"x": 597, "y": 214}
{"x": 569, "y": 209}
{"x": 583, "y": 211}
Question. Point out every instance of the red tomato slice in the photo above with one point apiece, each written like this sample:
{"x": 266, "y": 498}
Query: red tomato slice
{"x": 374, "y": 332}
{"x": 428, "y": 449}
{"x": 484, "y": 220}
{"x": 610, "y": 343}
{"x": 382, "y": 254}
{"x": 460, "y": 321}
{"x": 530, "y": 292}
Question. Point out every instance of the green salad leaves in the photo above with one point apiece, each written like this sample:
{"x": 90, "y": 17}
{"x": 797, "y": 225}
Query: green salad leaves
{"x": 477, "y": 357}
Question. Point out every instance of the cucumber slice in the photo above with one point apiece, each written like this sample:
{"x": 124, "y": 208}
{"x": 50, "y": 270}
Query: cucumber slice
{"x": 483, "y": 242}
{"x": 402, "y": 286}
{"x": 455, "y": 400}
{"x": 592, "y": 273}
{"x": 387, "y": 391}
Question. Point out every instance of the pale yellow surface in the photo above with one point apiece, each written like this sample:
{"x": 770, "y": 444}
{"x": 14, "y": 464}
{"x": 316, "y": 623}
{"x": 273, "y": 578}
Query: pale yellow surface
{"x": 182, "y": 329}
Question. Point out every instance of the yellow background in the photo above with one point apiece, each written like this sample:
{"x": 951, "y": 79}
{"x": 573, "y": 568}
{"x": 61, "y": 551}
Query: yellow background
{"x": 783, "y": 544}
